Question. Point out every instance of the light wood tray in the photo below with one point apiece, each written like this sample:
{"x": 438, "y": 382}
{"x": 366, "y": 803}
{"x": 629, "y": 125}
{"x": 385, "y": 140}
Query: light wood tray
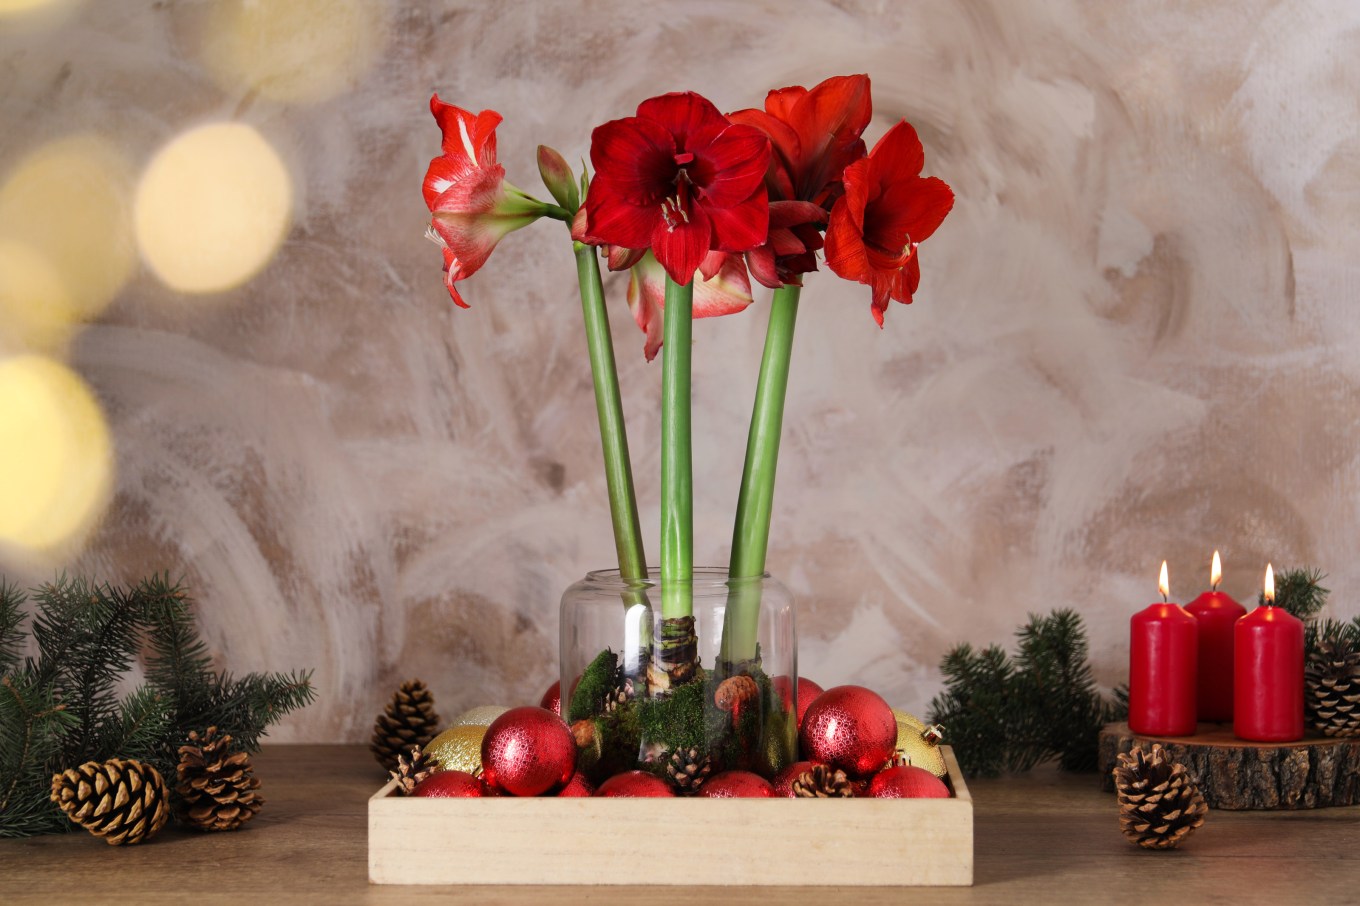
{"x": 813, "y": 842}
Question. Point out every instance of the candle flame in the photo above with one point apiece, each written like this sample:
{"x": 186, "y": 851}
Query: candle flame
{"x": 1270, "y": 584}
{"x": 1216, "y": 572}
{"x": 1162, "y": 584}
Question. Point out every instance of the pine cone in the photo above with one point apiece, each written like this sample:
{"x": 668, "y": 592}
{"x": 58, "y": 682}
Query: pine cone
{"x": 734, "y": 692}
{"x": 216, "y": 786}
{"x": 410, "y": 720}
{"x": 1332, "y": 679}
{"x": 688, "y": 770}
{"x": 823, "y": 782}
{"x": 123, "y": 801}
{"x": 412, "y": 769}
{"x": 621, "y": 694}
{"x": 1159, "y": 804}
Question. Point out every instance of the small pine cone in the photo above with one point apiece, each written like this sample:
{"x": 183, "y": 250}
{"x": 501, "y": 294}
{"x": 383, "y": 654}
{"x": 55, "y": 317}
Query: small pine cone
{"x": 734, "y": 692}
{"x": 621, "y": 694}
{"x": 123, "y": 801}
{"x": 1332, "y": 681}
{"x": 688, "y": 770}
{"x": 414, "y": 768}
{"x": 1159, "y": 803}
{"x": 823, "y": 782}
{"x": 409, "y": 720}
{"x": 216, "y": 786}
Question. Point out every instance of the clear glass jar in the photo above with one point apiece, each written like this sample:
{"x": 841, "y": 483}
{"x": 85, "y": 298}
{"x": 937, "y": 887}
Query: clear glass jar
{"x": 666, "y": 693}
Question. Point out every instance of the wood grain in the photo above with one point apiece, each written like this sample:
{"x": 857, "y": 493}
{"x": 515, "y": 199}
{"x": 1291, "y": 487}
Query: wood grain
{"x": 1041, "y": 837}
{"x": 1232, "y": 773}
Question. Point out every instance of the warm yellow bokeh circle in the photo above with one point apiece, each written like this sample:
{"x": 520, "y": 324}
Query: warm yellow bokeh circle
{"x": 212, "y": 208}
{"x": 56, "y": 457}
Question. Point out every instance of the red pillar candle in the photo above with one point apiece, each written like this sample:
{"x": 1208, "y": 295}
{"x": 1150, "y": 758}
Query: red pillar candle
{"x": 1162, "y": 657}
{"x": 1215, "y": 615}
{"x": 1268, "y": 667}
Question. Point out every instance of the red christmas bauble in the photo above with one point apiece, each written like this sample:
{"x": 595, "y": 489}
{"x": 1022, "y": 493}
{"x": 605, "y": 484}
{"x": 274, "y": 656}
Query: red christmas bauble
{"x": 578, "y": 785}
{"x": 851, "y": 728}
{"x": 635, "y": 785}
{"x": 451, "y": 785}
{"x": 807, "y": 692}
{"x": 528, "y": 751}
{"x": 737, "y": 785}
{"x": 907, "y": 782}
{"x": 783, "y": 781}
{"x": 552, "y": 699}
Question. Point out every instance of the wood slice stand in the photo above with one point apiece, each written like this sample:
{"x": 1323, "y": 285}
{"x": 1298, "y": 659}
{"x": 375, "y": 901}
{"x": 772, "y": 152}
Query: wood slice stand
{"x": 1315, "y": 772}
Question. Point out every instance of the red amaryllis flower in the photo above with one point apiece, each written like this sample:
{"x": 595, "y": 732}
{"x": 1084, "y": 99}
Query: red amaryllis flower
{"x": 680, "y": 179}
{"x": 725, "y": 289}
{"x": 472, "y": 206}
{"x": 815, "y": 135}
{"x": 888, "y": 209}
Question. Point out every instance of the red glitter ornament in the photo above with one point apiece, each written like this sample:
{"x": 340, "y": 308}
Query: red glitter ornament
{"x": 528, "y": 751}
{"x": 578, "y": 785}
{"x": 737, "y": 785}
{"x": 851, "y": 728}
{"x": 635, "y": 785}
{"x": 451, "y": 785}
{"x": 907, "y": 782}
{"x": 783, "y": 781}
{"x": 552, "y": 699}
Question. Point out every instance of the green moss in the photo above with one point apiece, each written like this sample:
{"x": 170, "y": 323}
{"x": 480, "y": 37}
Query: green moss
{"x": 588, "y": 698}
{"x": 677, "y": 721}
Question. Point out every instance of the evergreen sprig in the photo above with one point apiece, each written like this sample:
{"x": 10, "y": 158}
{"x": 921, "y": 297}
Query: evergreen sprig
{"x": 1300, "y": 592}
{"x": 1006, "y": 714}
{"x": 60, "y": 708}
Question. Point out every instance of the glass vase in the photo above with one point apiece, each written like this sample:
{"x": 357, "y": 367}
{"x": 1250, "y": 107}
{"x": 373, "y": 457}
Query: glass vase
{"x": 682, "y": 695}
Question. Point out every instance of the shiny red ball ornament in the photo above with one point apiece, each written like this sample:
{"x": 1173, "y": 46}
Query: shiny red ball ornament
{"x": 578, "y": 785}
{"x": 851, "y": 728}
{"x": 737, "y": 785}
{"x": 907, "y": 782}
{"x": 528, "y": 751}
{"x": 451, "y": 785}
{"x": 552, "y": 699}
{"x": 783, "y": 781}
{"x": 635, "y": 785}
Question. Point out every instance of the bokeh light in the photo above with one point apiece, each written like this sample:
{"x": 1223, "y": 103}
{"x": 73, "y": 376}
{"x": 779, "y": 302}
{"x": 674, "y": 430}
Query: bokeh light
{"x": 65, "y": 239}
{"x": 56, "y": 462}
{"x": 300, "y": 51}
{"x": 17, "y": 8}
{"x": 212, "y": 208}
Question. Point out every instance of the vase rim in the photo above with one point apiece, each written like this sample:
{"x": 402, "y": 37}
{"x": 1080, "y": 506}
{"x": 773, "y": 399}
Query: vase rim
{"x": 704, "y": 577}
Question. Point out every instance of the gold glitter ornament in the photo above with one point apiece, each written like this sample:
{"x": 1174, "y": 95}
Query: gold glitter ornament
{"x": 919, "y": 745}
{"x": 458, "y": 749}
{"x": 480, "y": 716}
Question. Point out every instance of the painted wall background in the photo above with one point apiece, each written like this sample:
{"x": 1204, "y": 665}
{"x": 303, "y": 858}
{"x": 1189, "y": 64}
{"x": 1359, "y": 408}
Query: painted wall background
{"x": 1136, "y": 335}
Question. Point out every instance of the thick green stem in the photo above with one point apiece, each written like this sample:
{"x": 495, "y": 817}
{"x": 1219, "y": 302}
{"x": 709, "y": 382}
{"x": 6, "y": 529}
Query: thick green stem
{"x": 609, "y": 406}
{"x": 677, "y": 468}
{"x": 751, "y": 533}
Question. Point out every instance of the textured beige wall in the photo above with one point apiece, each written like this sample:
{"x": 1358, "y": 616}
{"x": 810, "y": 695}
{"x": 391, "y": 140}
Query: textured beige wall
{"x": 1135, "y": 337}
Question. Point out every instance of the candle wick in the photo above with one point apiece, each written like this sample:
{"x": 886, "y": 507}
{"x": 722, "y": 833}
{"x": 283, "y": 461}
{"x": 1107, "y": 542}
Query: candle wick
{"x": 1213, "y": 586}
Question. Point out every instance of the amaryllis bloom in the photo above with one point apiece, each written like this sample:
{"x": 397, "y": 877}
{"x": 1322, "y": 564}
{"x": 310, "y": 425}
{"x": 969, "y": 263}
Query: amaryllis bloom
{"x": 680, "y": 179}
{"x": 888, "y": 209}
{"x": 725, "y": 289}
{"x": 815, "y": 135}
{"x": 471, "y": 204}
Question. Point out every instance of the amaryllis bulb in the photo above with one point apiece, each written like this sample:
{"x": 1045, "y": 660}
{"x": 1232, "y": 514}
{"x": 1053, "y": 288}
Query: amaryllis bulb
{"x": 1215, "y": 572}
{"x": 1270, "y": 584}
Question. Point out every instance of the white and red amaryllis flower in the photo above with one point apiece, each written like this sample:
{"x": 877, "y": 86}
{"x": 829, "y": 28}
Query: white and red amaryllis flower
{"x": 723, "y": 290}
{"x": 888, "y": 209}
{"x": 815, "y": 135}
{"x": 472, "y": 207}
{"x": 680, "y": 179}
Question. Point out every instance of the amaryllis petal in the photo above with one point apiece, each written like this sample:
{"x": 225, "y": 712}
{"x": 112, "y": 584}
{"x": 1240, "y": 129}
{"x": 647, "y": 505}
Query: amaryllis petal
{"x": 467, "y": 135}
{"x": 725, "y": 293}
{"x": 636, "y": 157}
{"x": 690, "y": 118}
{"x": 762, "y": 264}
{"x": 845, "y": 253}
{"x": 899, "y": 151}
{"x": 743, "y": 226}
{"x": 792, "y": 213}
{"x": 728, "y": 291}
{"x": 680, "y": 246}
{"x": 611, "y": 221}
{"x": 730, "y": 169}
{"x": 926, "y": 205}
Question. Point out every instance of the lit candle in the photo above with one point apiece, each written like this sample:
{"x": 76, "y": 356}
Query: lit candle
{"x": 1215, "y": 613}
{"x": 1162, "y": 656}
{"x": 1268, "y": 672}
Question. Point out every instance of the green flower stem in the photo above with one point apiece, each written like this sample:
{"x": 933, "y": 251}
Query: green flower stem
{"x": 608, "y": 405}
{"x": 751, "y": 533}
{"x": 677, "y": 467}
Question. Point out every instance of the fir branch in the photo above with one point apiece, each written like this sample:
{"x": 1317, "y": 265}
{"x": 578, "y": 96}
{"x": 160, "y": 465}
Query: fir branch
{"x": 32, "y": 726}
{"x": 1299, "y": 592}
{"x": 11, "y": 619}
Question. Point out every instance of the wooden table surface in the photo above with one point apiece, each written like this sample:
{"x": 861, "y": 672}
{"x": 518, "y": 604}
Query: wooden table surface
{"x": 1044, "y": 837}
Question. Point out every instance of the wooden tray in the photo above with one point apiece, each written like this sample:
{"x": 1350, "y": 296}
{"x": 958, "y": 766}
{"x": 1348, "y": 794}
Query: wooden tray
{"x": 813, "y": 842}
